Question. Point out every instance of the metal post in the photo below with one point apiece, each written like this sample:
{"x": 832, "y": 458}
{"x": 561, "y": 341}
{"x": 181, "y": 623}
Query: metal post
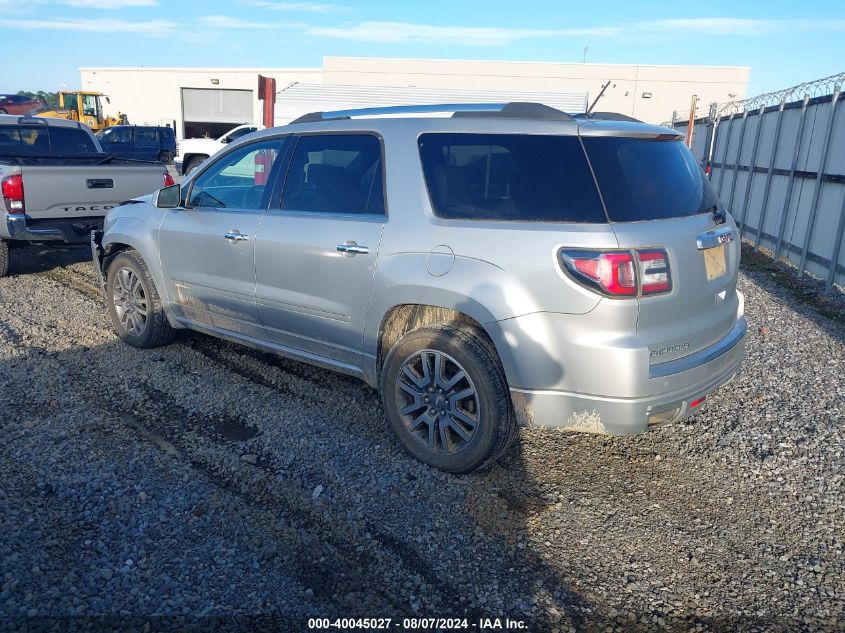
{"x": 837, "y": 247}
{"x": 712, "y": 124}
{"x": 725, "y": 157}
{"x": 730, "y": 204}
{"x": 691, "y": 123}
{"x": 775, "y": 144}
{"x": 791, "y": 184}
{"x": 751, "y": 166}
{"x": 817, "y": 190}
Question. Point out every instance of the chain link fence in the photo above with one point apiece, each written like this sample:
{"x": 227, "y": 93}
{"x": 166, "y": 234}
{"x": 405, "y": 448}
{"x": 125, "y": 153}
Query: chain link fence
{"x": 777, "y": 161}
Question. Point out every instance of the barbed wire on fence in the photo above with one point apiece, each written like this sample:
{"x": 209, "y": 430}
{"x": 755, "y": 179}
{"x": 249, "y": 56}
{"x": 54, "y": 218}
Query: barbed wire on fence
{"x": 814, "y": 88}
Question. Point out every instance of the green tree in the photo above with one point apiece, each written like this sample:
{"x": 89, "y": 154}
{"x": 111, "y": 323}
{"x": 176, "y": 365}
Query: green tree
{"x": 50, "y": 98}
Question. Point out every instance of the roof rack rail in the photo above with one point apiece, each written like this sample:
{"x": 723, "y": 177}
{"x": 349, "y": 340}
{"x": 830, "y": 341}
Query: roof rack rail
{"x": 607, "y": 116}
{"x": 513, "y": 110}
{"x": 30, "y": 119}
{"x": 522, "y": 110}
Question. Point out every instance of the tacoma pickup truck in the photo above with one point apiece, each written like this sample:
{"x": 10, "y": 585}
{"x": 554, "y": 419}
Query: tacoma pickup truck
{"x": 57, "y": 184}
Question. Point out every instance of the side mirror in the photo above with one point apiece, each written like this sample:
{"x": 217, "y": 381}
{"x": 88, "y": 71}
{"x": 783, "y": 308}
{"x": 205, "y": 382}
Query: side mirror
{"x": 108, "y": 100}
{"x": 168, "y": 197}
{"x": 225, "y": 139}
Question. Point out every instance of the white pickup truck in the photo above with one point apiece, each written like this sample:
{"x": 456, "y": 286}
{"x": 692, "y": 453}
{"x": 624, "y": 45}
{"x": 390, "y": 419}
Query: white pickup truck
{"x": 57, "y": 184}
{"x": 191, "y": 152}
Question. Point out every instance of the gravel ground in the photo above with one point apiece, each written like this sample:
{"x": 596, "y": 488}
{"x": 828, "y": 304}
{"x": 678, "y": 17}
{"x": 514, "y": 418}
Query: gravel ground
{"x": 209, "y": 485}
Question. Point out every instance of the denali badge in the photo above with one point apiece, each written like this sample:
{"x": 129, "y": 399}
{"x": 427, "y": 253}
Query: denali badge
{"x": 669, "y": 349}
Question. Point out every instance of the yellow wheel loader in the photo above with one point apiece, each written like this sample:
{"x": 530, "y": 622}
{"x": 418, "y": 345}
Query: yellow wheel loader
{"x": 83, "y": 106}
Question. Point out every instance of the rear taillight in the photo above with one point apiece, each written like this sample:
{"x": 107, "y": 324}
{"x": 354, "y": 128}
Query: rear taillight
{"x": 654, "y": 272}
{"x": 608, "y": 272}
{"x": 168, "y": 180}
{"x": 619, "y": 273}
{"x": 12, "y": 188}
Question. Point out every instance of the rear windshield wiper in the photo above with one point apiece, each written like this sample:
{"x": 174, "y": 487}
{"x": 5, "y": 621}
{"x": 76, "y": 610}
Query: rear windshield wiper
{"x": 718, "y": 214}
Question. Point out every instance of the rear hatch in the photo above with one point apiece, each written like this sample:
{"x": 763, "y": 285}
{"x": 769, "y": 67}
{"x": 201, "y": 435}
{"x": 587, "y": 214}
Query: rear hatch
{"x": 657, "y": 198}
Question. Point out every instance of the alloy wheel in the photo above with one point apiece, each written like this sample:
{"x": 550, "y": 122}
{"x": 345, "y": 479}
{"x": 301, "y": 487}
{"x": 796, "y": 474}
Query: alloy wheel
{"x": 437, "y": 401}
{"x": 130, "y": 301}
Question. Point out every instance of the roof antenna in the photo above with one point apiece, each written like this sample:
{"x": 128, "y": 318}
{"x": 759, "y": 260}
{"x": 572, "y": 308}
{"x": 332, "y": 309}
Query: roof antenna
{"x": 596, "y": 100}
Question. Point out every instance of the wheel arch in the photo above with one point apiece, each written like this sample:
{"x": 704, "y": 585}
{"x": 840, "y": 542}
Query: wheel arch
{"x": 129, "y": 233}
{"x": 404, "y": 317}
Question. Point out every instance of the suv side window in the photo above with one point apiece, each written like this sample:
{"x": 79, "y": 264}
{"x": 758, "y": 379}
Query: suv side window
{"x": 335, "y": 173}
{"x": 146, "y": 135}
{"x": 238, "y": 179}
{"x": 515, "y": 177}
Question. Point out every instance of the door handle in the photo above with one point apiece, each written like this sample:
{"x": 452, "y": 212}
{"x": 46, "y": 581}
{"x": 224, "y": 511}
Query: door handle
{"x": 236, "y": 236}
{"x": 100, "y": 183}
{"x": 351, "y": 248}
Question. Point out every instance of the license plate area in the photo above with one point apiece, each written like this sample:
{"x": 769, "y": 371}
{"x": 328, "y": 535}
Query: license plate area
{"x": 715, "y": 264}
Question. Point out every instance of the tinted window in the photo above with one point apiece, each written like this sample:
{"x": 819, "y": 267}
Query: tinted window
{"x": 146, "y": 135}
{"x": 238, "y": 179}
{"x": 645, "y": 179}
{"x": 335, "y": 174}
{"x": 239, "y": 133}
{"x": 65, "y": 140}
{"x": 44, "y": 141}
{"x": 117, "y": 135}
{"x": 509, "y": 177}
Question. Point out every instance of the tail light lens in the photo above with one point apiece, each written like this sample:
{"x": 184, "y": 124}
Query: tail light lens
{"x": 12, "y": 189}
{"x": 168, "y": 179}
{"x": 620, "y": 273}
{"x": 654, "y": 272}
{"x": 608, "y": 272}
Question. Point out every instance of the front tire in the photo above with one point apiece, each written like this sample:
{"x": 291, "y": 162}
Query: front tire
{"x": 447, "y": 398}
{"x": 134, "y": 304}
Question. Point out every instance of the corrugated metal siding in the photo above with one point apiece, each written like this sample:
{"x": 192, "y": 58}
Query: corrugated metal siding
{"x": 299, "y": 99}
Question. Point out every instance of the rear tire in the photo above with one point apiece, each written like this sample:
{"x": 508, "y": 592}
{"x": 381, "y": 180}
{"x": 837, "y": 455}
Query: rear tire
{"x": 3, "y": 111}
{"x": 460, "y": 420}
{"x": 166, "y": 158}
{"x": 4, "y": 258}
{"x": 134, "y": 304}
{"x": 193, "y": 163}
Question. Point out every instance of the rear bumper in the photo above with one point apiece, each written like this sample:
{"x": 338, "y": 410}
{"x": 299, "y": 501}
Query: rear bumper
{"x": 697, "y": 376}
{"x": 67, "y": 230}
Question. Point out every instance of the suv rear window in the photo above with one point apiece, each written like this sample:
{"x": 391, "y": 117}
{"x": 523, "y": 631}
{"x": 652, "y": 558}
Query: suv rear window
{"x": 513, "y": 177}
{"x": 44, "y": 141}
{"x": 648, "y": 179}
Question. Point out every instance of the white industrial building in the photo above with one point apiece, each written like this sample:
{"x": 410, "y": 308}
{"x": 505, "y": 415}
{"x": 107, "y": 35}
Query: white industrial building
{"x": 198, "y": 101}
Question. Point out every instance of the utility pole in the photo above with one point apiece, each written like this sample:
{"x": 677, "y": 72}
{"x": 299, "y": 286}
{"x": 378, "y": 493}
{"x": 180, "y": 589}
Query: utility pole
{"x": 584, "y": 60}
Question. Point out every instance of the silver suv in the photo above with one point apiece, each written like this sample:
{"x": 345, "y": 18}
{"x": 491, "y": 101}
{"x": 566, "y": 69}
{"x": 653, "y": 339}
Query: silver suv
{"x": 506, "y": 265}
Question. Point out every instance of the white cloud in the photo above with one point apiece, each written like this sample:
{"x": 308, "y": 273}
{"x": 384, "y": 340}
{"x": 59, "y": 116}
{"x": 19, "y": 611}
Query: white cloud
{"x": 304, "y": 7}
{"x": 108, "y": 4}
{"x": 397, "y": 32}
{"x": 155, "y": 28}
{"x": 227, "y": 22}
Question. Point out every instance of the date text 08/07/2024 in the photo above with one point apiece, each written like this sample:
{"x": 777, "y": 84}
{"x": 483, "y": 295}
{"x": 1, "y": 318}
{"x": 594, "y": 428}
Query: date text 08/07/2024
{"x": 417, "y": 624}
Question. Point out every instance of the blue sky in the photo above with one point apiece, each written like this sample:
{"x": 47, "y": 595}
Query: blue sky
{"x": 783, "y": 42}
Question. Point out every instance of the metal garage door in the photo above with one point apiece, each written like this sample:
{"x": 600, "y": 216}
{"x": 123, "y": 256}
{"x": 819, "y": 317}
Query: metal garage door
{"x": 217, "y": 106}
